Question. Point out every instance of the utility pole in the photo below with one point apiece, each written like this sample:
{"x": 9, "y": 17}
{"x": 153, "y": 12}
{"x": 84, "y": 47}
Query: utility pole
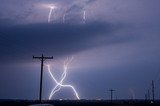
{"x": 111, "y": 90}
{"x": 42, "y": 59}
{"x": 152, "y": 90}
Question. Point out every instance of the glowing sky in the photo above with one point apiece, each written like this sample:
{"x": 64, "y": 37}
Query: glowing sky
{"x": 117, "y": 47}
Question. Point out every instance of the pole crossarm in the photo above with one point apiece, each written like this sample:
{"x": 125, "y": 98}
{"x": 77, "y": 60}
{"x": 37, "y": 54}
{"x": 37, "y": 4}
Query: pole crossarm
{"x": 42, "y": 57}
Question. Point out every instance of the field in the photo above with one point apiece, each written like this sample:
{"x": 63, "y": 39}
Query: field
{"x": 81, "y": 102}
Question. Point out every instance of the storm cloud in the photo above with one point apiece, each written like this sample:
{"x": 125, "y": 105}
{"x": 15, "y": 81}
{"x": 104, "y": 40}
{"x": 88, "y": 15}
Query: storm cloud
{"x": 58, "y": 39}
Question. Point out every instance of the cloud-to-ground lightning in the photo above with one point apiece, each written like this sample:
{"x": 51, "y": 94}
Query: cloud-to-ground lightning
{"x": 50, "y": 12}
{"x": 60, "y": 83}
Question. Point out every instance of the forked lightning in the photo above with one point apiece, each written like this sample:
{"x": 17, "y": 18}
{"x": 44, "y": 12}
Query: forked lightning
{"x": 60, "y": 83}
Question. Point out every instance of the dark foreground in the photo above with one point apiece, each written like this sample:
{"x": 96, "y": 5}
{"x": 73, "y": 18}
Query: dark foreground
{"x": 81, "y": 102}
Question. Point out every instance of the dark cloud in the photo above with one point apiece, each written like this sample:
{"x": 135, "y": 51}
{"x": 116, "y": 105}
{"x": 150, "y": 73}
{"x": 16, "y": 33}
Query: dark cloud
{"x": 56, "y": 39}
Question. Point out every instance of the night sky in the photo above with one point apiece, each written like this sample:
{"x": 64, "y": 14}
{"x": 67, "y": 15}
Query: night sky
{"x": 117, "y": 47}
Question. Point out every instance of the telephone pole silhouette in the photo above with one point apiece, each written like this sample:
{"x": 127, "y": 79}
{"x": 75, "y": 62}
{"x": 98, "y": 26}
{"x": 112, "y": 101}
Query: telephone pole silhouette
{"x": 111, "y": 90}
{"x": 152, "y": 90}
{"x": 42, "y": 59}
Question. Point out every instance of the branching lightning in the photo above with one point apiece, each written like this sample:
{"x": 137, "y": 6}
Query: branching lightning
{"x": 60, "y": 83}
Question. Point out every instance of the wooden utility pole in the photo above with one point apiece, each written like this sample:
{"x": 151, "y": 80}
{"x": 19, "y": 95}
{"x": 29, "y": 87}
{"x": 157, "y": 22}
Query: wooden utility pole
{"x": 42, "y": 59}
{"x": 111, "y": 90}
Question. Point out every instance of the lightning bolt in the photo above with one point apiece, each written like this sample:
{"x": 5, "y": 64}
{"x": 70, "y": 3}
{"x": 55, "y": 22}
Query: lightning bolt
{"x": 60, "y": 84}
{"x": 50, "y": 12}
{"x": 49, "y": 15}
{"x": 84, "y": 17}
